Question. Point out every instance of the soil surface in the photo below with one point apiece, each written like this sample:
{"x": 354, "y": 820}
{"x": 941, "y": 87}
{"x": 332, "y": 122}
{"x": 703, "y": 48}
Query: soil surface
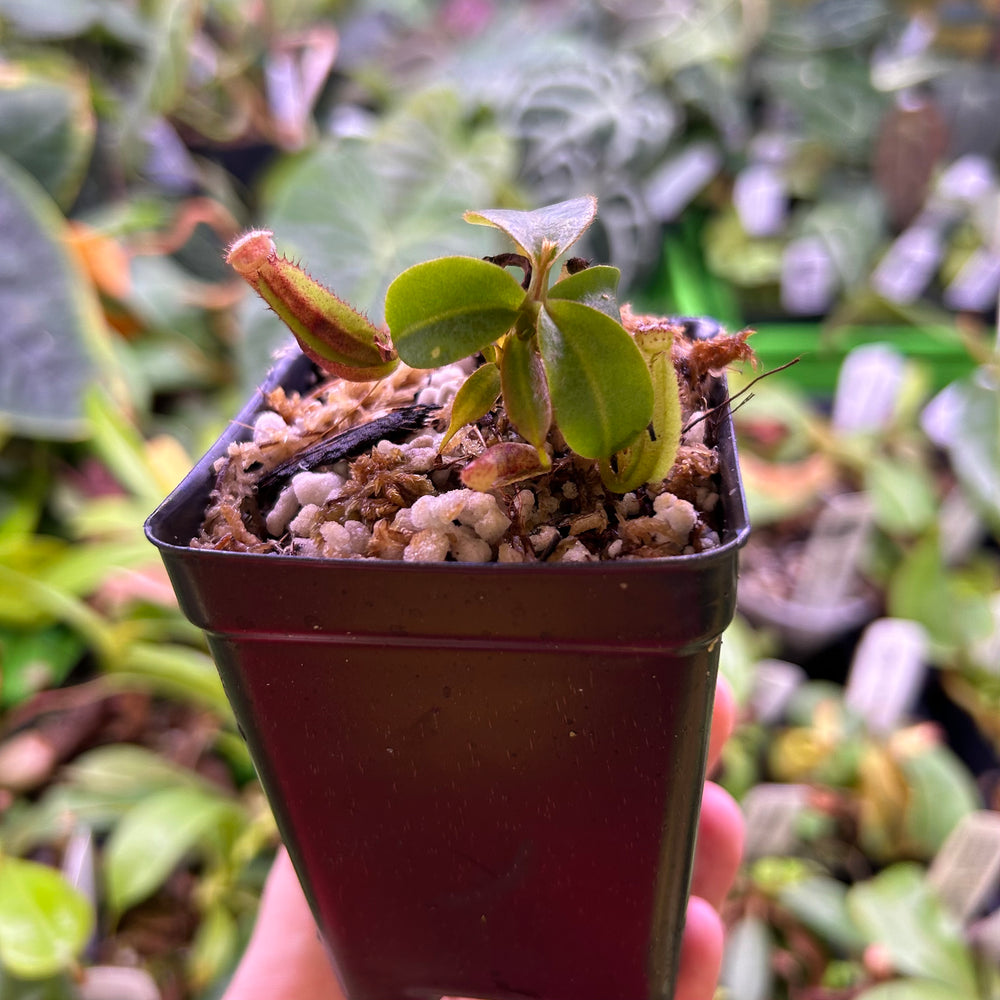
{"x": 357, "y": 471}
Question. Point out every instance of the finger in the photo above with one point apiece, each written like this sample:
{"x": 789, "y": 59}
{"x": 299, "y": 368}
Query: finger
{"x": 719, "y": 846}
{"x": 723, "y": 720}
{"x": 285, "y": 959}
{"x": 701, "y": 952}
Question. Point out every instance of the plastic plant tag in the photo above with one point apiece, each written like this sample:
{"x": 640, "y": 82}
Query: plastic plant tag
{"x": 808, "y": 277}
{"x": 887, "y": 672}
{"x": 969, "y": 179}
{"x": 976, "y": 285}
{"x": 771, "y": 813}
{"x": 962, "y": 527}
{"x": 940, "y": 418}
{"x": 966, "y": 872}
{"x": 985, "y": 936}
{"x": 909, "y": 265}
{"x": 828, "y": 573}
{"x": 672, "y": 187}
{"x": 760, "y": 196}
{"x": 867, "y": 388}
{"x": 775, "y": 681}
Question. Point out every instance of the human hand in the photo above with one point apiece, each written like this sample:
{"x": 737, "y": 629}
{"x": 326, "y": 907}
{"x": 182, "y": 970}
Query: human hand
{"x": 285, "y": 959}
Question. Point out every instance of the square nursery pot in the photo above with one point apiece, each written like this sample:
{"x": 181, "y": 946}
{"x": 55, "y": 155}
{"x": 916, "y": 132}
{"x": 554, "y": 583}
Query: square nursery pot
{"x": 488, "y": 776}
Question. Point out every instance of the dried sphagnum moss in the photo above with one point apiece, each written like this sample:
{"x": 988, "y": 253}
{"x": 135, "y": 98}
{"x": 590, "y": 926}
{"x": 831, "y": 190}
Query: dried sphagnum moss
{"x": 405, "y": 501}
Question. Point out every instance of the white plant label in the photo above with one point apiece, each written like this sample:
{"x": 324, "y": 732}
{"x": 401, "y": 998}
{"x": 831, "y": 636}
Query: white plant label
{"x": 887, "y": 672}
{"x": 966, "y": 871}
{"x": 867, "y": 388}
{"x": 976, "y": 285}
{"x": 909, "y": 265}
{"x": 771, "y": 813}
{"x": 809, "y": 276}
{"x": 965, "y": 527}
{"x": 760, "y": 196}
{"x": 775, "y": 681}
{"x": 941, "y": 417}
{"x": 829, "y": 569}
{"x": 672, "y": 187}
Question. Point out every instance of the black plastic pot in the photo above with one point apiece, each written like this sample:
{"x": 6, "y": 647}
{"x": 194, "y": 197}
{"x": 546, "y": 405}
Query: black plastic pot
{"x": 488, "y": 776}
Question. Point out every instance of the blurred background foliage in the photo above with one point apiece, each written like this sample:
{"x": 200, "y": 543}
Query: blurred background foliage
{"x": 824, "y": 170}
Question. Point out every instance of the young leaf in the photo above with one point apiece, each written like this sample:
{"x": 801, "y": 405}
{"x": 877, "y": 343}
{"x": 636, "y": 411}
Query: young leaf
{"x": 446, "y": 309}
{"x": 601, "y": 389}
{"x": 544, "y": 233}
{"x": 526, "y": 391}
{"x": 157, "y": 834}
{"x": 596, "y": 287}
{"x": 44, "y": 921}
{"x": 633, "y": 466}
{"x": 666, "y": 414}
{"x": 474, "y": 399}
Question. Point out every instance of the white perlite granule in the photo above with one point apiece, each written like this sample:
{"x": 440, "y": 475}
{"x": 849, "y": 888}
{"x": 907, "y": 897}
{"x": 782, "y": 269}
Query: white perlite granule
{"x": 462, "y": 524}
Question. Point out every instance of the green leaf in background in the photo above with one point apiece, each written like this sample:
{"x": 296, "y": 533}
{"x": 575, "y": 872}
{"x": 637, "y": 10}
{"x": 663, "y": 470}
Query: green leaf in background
{"x": 544, "y": 233}
{"x": 902, "y": 495}
{"x": 941, "y": 793}
{"x": 953, "y": 605}
{"x": 35, "y": 660}
{"x": 897, "y": 910}
{"x": 53, "y": 988}
{"x": 820, "y": 903}
{"x": 70, "y": 18}
{"x": 162, "y": 78}
{"x": 215, "y": 947}
{"x": 47, "y": 124}
{"x": 976, "y": 444}
{"x": 832, "y": 96}
{"x": 443, "y": 310}
{"x": 50, "y": 316}
{"x": 828, "y": 24}
{"x": 44, "y": 922}
{"x": 156, "y": 835}
{"x": 602, "y": 394}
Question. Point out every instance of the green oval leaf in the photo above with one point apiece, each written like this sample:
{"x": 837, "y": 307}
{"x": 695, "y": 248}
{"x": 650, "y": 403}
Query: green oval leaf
{"x": 596, "y": 287}
{"x": 44, "y": 921}
{"x": 474, "y": 399}
{"x": 897, "y": 910}
{"x": 545, "y": 233}
{"x": 446, "y": 309}
{"x": 601, "y": 389}
{"x": 941, "y": 793}
{"x": 902, "y": 495}
{"x": 52, "y": 321}
{"x": 47, "y": 124}
{"x": 526, "y": 391}
{"x": 155, "y": 836}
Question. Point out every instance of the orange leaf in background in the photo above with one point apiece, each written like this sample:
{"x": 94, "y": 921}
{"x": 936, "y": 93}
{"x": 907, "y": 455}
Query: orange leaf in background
{"x": 106, "y": 263}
